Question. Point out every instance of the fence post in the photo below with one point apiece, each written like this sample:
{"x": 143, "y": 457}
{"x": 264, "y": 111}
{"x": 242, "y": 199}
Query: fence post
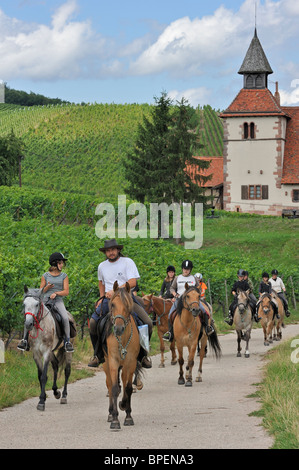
{"x": 226, "y": 297}
{"x": 293, "y": 293}
{"x": 209, "y": 286}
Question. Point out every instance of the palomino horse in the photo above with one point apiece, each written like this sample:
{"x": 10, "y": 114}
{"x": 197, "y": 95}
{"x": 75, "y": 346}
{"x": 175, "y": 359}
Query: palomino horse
{"x": 123, "y": 347}
{"x": 188, "y": 329}
{"x": 243, "y": 321}
{"x": 43, "y": 341}
{"x": 161, "y": 308}
{"x": 266, "y": 315}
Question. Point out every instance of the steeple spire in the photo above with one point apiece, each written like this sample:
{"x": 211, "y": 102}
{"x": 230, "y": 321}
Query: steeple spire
{"x": 255, "y": 67}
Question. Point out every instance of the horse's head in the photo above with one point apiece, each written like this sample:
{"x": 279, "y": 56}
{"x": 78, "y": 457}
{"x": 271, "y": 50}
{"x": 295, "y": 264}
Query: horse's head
{"x": 148, "y": 303}
{"x": 266, "y": 303}
{"x": 121, "y": 305}
{"x": 32, "y": 302}
{"x": 191, "y": 300}
{"x": 243, "y": 300}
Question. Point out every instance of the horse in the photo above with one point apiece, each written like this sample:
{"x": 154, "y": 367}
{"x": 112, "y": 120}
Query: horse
{"x": 121, "y": 353}
{"x": 161, "y": 308}
{"x": 243, "y": 320}
{"x": 44, "y": 341}
{"x": 188, "y": 330}
{"x": 266, "y": 314}
{"x": 278, "y": 322}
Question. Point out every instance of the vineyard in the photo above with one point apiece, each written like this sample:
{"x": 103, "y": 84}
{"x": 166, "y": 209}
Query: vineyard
{"x": 81, "y": 149}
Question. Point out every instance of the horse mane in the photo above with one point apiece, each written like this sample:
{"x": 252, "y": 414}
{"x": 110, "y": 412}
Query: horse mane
{"x": 125, "y": 297}
{"x": 266, "y": 295}
{"x": 180, "y": 305}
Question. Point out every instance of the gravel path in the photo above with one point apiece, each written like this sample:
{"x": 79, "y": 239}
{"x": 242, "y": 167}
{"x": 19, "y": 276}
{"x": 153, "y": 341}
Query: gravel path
{"x": 209, "y": 415}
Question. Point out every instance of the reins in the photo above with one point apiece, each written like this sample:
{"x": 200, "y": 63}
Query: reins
{"x": 37, "y": 320}
{"x": 122, "y": 349}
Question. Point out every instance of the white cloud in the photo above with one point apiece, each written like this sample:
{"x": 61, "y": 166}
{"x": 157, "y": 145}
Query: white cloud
{"x": 195, "y": 96}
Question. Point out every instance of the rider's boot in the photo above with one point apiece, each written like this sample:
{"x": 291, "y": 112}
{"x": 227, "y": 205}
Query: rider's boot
{"x": 23, "y": 344}
{"x": 68, "y": 345}
{"x": 168, "y": 336}
{"x": 230, "y": 319}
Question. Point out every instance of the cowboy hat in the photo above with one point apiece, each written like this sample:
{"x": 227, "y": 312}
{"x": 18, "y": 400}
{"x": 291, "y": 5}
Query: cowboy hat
{"x": 110, "y": 244}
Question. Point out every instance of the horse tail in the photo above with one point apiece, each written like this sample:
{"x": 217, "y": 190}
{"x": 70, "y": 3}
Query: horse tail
{"x": 214, "y": 343}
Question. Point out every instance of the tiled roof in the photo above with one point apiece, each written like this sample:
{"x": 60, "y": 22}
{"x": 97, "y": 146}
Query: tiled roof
{"x": 290, "y": 173}
{"x": 215, "y": 170}
{"x": 253, "y": 102}
{"x": 255, "y": 60}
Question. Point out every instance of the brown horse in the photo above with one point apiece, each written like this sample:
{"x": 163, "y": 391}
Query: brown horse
{"x": 266, "y": 314}
{"x": 161, "y": 308}
{"x": 278, "y": 323}
{"x": 188, "y": 329}
{"x": 123, "y": 347}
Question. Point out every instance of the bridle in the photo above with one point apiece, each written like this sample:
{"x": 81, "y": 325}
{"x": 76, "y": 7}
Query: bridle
{"x": 38, "y": 317}
{"x": 122, "y": 349}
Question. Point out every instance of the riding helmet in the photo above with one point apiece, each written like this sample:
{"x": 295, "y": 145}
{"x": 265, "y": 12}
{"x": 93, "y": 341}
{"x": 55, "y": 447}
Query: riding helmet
{"x": 56, "y": 257}
{"x": 187, "y": 264}
{"x": 274, "y": 271}
{"x": 241, "y": 272}
{"x": 265, "y": 275}
{"x": 170, "y": 268}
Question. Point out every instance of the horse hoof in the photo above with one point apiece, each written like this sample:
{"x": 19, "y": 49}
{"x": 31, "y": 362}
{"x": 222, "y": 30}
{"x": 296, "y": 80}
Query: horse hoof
{"x": 162, "y": 365}
{"x": 41, "y": 407}
{"x": 181, "y": 381}
{"x": 188, "y": 383}
{"x": 266, "y": 343}
{"x": 129, "y": 422}
{"x": 115, "y": 425}
{"x": 57, "y": 395}
{"x": 63, "y": 401}
{"x": 110, "y": 418}
{"x": 239, "y": 355}
{"x": 173, "y": 363}
{"x": 247, "y": 355}
{"x": 198, "y": 379}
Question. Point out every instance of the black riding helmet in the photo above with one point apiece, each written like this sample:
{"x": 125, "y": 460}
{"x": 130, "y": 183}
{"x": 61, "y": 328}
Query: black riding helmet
{"x": 170, "y": 268}
{"x": 56, "y": 257}
{"x": 187, "y": 264}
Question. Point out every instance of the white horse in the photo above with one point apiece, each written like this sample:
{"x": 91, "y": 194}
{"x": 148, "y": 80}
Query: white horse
{"x": 43, "y": 341}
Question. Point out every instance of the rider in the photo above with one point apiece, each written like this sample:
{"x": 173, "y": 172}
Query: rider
{"x": 177, "y": 289}
{"x": 122, "y": 269}
{"x": 279, "y": 287}
{"x": 266, "y": 287}
{"x": 202, "y": 285}
{"x": 55, "y": 285}
{"x": 243, "y": 285}
{"x": 170, "y": 274}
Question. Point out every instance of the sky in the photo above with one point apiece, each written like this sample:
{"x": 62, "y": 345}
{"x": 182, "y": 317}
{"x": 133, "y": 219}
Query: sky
{"x": 130, "y": 51}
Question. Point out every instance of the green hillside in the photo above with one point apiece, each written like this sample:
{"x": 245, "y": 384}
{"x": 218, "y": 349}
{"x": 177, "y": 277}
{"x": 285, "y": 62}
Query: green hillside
{"x": 80, "y": 149}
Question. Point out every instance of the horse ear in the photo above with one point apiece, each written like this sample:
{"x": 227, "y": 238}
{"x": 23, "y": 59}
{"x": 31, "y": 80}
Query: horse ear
{"x": 248, "y": 292}
{"x": 128, "y": 288}
{"x": 115, "y": 286}
{"x": 186, "y": 286}
{"x": 42, "y": 291}
{"x": 25, "y": 289}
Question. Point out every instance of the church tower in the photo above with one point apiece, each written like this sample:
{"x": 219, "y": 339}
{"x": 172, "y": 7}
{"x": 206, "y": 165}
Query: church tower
{"x": 254, "y": 141}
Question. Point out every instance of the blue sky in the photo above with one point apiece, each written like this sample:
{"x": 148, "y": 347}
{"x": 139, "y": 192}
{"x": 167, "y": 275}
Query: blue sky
{"x": 129, "y": 51}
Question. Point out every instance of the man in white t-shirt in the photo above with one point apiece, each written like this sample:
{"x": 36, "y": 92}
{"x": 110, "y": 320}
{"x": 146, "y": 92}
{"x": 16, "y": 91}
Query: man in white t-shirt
{"x": 118, "y": 268}
{"x": 279, "y": 287}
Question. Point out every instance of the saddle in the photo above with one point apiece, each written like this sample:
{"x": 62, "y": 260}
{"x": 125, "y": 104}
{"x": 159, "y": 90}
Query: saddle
{"x": 58, "y": 322}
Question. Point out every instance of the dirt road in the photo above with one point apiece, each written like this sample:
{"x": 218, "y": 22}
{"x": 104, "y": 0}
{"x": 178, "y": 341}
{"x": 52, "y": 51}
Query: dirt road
{"x": 209, "y": 415}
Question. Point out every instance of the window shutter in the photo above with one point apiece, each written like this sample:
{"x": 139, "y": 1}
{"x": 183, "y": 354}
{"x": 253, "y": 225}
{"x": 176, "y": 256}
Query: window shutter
{"x": 265, "y": 192}
{"x": 244, "y": 192}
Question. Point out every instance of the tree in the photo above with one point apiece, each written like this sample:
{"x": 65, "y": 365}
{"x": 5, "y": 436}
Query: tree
{"x": 11, "y": 149}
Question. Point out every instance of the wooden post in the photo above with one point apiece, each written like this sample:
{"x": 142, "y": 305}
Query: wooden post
{"x": 293, "y": 293}
{"x": 209, "y": 286}
{"x": 226, "y": 297}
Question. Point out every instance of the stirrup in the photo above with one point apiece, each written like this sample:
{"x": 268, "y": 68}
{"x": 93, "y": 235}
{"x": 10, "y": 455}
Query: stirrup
{"x": 69, "y": 347}
{"x": 23, "y": 345}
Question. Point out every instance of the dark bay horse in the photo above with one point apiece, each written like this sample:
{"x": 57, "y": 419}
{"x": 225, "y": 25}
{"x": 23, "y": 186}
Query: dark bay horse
{"x": 44, "y": 341}
{"x": 188, "y": 330}
{"x": 161, "y": 308}
{"x": 122, "y": 351}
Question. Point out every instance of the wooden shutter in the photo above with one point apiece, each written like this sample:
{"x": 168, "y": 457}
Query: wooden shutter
{"x": 244, "y": 192}
{"x": 265, "y": 192}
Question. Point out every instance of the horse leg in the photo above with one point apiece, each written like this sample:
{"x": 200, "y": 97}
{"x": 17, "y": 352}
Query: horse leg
{"x": 67, "y": 373}
{"x": 173, "y": 353}
{"x": 54, "y": 363}
{"x": 162, "y": 348}
{"x": 125, "y": 404}
{"x": 113, "y": 394}
{"x": 181, "y": 379}
{"x": 239, "y": 343}
{"x": 202, "y": 354}
{"x": 247, "y": 338}
{"x": 42, "y": 375}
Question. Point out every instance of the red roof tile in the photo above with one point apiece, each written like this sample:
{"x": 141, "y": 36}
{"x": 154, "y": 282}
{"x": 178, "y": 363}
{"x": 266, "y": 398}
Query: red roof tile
{"x": 290, "y": 173}
{"x": 250, "y": 102}
{"x": 215, "y": 170}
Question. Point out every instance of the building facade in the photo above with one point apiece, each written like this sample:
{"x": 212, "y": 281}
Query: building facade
{"x": 261, "y": 144}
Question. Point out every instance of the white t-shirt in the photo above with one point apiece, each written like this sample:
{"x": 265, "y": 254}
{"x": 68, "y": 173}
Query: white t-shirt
{"x": 121, "y": 271}
{"x": 179, "y": 283}
{"x": 277, "y": 284}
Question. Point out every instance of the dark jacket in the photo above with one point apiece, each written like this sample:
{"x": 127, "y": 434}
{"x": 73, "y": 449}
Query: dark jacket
{"x": 242, "y": 285}
{"x": 166, "y": 287}
{"x": 265, "y": 287}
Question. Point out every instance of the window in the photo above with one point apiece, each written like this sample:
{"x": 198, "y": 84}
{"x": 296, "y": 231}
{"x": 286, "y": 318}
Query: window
{"x": 295, "y": 195}
{"x": 248, "y": 131}
{"x": 259, "y": 81}
{"x": 255, "y": 191}
{"x": 252, "y": 135}
{"x": 249, "y": 81}
{"x": 245, "y": 130}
